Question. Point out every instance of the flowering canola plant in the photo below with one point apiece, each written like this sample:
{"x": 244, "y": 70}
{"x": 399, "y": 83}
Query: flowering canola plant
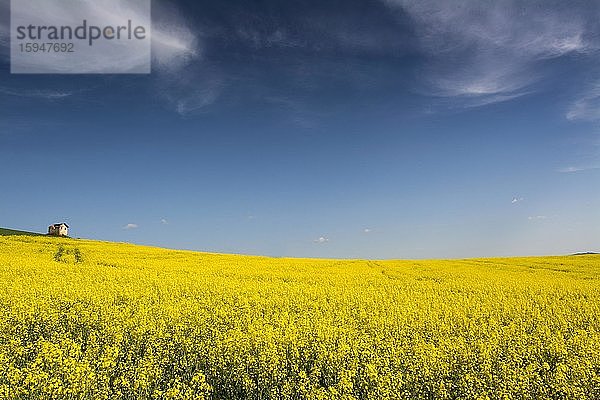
{"x": 84, "y": 319}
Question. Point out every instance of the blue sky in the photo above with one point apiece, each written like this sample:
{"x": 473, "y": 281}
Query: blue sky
{"x": 362, "y": 129}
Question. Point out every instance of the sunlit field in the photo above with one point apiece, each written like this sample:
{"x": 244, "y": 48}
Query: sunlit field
{"x": 85, "y": 319}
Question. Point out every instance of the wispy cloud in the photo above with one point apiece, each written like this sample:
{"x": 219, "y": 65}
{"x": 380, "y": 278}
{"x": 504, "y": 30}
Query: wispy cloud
{"x": 367, "y": 230}
{"x": 174, "y": 42}
{"x": 130, "y": 226}
{"x": 489, "y": 50}
{"x": 119, "y": 58}
{"x": 321, "y": 240}
{"x": 277, "y": 37}
{"x": 41, "y": 94}
{"x": 164, "y": 221}
{"x": 181, "y": 78}
{"x": 175, "y": 45}
{"x": 587, "y": 107}
{"x": 537, "y": 217}
{"x": 4, "y": 26}
{"x": 516, "y": 200}
{"x": 186, "y": 99}
{"x": 320, "y": 29}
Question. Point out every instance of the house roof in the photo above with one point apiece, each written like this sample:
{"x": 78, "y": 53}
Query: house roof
{"x": 58, "y": 225}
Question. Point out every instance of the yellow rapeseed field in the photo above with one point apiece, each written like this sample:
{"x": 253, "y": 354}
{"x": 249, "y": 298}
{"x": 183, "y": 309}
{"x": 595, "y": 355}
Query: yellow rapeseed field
{"x": 92, "y": 320}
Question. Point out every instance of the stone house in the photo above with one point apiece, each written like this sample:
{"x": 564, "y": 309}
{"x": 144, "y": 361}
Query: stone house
{"x": 61, "y": 229}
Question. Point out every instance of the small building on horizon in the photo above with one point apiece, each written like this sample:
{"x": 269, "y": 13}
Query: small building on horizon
{"x": 61, "y": 229}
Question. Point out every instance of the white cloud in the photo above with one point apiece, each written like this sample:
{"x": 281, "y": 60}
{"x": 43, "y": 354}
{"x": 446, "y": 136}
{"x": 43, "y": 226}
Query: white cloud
{"x": 164, "y": 221}
{"x": 489, "y": 50}
{"x": 516, "y": 200}
{"x": 321, "y": 240}
{"x": 570, "y": 169}
{"x": 576, "y": 169}
{"x": 130, "y": 226}
{"x": 367, "y": 230}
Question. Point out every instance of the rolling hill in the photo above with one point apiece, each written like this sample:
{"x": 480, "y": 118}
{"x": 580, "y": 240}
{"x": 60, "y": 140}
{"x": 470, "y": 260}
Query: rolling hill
{"x": 89, "y": 319}
{"x": 8, "y": 232}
